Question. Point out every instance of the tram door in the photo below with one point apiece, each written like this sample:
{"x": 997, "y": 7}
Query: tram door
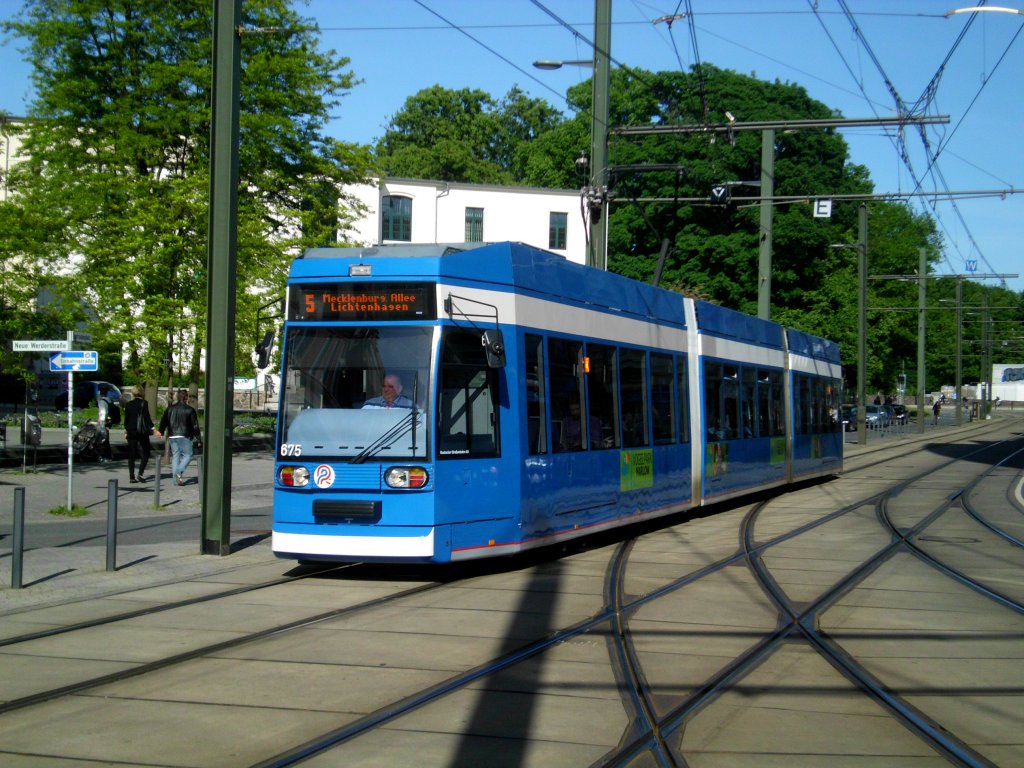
{"x": 468, "y": 482}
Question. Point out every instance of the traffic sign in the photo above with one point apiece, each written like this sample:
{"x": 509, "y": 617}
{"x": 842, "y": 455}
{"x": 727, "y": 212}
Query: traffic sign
{"x": 74, "y": 361}
{"x": 40, "y": 345}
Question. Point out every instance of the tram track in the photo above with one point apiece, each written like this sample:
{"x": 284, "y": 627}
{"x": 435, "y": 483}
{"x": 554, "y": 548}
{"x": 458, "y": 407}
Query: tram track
{"x": 162, "y": 607}
{"x": 801, "y": 622}
{"x": 649, "y": 732}
{"x": 204, "y": 650}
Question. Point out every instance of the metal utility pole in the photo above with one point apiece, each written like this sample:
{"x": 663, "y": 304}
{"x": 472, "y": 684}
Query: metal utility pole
{"x": 959, "y": 351}
{"x": 221, "y": 266}
{"x": 764, "y": 261}
{"x": 862, "y": 323}
{"x": 986, "y": 356}
{"x": 597, "y": 254}
{"x": 922, "y": 307}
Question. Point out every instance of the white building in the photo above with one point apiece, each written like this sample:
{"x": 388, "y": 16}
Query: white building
{"x": 412, "y": 211}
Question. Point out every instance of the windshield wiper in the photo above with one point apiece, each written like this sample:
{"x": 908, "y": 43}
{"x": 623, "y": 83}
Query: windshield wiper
{"x": 402, "y": 427}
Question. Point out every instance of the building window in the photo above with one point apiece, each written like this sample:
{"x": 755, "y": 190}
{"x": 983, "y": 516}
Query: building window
{"x": 474, "y": 225}
{"x": 557, "y": 226}
{"x": 396, "y": 218}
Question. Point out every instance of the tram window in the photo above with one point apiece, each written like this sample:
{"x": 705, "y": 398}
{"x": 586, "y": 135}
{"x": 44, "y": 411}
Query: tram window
{"x": 803, "y": 402}
{"x": 812, "y": 405}
{"x": 536, "y": 422}
{"x": 663, "y": 400}
{"x": 820, "y": 406}
{"x": 602, "y": 404}
{"x": 824, "y": 388}
{"x": 565, "y": 359}
{"x": 730, "y": 402}
{"x": 776, "y": 411}
{"x": 713, "y": 402}
{"x": 467, "y": 418}
{"x": 749, "y": 378}
{"x": 834, "y": 398}
{"x": 682, "y": 400}
{"x": 633, "y": 397}
{"x": 764, "y": 403}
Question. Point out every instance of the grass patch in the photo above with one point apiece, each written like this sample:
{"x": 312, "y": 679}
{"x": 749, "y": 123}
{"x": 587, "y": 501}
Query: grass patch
{"x": 75, "y": 511}
{"x": 251, "y": 424}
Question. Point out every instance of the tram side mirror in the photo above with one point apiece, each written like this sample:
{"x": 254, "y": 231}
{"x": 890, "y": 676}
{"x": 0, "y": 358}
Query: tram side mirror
{"x": 494, "y": 344}
{"x": 263, "y": 350}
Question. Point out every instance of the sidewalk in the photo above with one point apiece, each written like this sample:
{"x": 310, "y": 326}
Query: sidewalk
{"x": 54, "y": 575}
{"x": 59, "y": 575}
{"x": 54, "y": 447}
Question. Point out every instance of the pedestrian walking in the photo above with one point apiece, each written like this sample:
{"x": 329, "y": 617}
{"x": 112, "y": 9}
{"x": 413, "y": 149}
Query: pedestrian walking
{"x": 138, "y": 426}
{"x": 180, "y": 425}
{"x": 936, "y": 410}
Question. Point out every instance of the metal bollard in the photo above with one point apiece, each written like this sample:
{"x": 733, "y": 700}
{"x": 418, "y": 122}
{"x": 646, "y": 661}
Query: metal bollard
{"x": 112, "y": 525}
{"x": 18, "y": 545}
{"x": 156, "y": 484}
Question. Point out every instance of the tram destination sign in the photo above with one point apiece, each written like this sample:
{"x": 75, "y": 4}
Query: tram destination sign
{"x": 362, "y": 301}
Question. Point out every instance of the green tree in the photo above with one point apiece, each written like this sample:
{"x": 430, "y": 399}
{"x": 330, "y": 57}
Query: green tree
{"x": 463, "y": 135}
{"x": 118, "y": 162}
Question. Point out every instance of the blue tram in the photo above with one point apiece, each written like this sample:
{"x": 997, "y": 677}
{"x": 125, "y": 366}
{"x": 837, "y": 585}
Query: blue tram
{"x": 443, "y": 403}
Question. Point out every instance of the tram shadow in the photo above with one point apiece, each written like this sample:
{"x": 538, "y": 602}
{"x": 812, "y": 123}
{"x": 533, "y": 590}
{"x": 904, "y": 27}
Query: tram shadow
{"x": 510, "y": 694}
{"x": 990, "y": 452}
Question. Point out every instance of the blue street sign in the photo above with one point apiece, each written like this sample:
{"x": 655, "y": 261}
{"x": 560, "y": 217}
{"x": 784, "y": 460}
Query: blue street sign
{"x": 74, "y": 361}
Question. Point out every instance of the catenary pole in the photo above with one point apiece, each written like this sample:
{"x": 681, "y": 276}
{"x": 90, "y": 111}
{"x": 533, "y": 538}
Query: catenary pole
{"x": 220, "y": 296}
{"x": 862, "y": 323}
{"x": 597, "y": 255}
{"x": 922, "y": 308}
{"x": 764, "y": 261}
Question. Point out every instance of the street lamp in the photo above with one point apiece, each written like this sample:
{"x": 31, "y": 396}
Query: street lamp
{"x": 596, "y": 190}
{"x": 549, "y": 64}
{"x": 984, "y": 8}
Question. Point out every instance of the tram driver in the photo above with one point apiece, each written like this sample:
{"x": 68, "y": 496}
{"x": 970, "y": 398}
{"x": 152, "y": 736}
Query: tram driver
{"x": 390, "y": 395}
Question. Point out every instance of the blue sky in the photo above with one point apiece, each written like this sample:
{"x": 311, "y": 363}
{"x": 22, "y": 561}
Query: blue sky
{"x": 854, "y": 62}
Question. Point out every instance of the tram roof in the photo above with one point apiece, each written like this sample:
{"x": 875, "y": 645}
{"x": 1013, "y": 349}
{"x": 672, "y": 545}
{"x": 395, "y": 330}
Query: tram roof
{"x": 503, "y": 266}
{"x": 531, "y": 270}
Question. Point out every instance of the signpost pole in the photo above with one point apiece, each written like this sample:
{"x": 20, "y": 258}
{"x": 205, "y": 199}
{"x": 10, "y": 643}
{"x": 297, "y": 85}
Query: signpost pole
{"x": 71, "y": 434}
{"x": 71, "y": 361}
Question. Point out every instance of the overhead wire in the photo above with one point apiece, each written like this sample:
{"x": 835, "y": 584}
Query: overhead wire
{"x": 698, "y": 69}
{"x": 898, "y": 141}
{"x": 920, "y": 106}
{"x": 933, "y": 170}
{"x": 489, "y": 49}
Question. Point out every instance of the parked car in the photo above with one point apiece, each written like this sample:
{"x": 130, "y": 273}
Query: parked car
{"x": 877, "y": 416}
{"x": 87, "y": 392}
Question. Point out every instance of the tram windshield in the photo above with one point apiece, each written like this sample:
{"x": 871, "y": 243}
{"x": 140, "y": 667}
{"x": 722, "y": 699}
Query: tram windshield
{"x": 356, "y": 393}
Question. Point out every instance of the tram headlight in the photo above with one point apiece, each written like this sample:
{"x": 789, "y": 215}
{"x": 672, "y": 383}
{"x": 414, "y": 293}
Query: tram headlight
{"x": 294, "y": 476}
{"x": 406, "y": 477}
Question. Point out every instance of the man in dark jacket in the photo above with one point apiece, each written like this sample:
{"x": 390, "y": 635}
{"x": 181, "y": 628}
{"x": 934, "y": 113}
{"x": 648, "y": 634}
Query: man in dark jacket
{"x": 138, "y": 426}
{"x": 180, "y": 425}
